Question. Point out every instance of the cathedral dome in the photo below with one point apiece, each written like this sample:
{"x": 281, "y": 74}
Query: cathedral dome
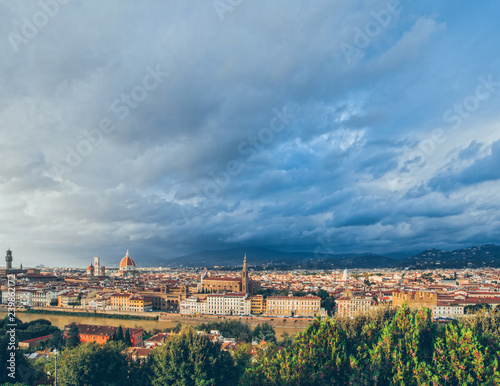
{"x": 127, "y": 263}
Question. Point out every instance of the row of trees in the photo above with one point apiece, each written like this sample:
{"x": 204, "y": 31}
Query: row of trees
{"x": 9, "y": 336}
{"x": 241, "y": 331}
{"x": 402, "y": 347}
{"x": 388, "y": 347}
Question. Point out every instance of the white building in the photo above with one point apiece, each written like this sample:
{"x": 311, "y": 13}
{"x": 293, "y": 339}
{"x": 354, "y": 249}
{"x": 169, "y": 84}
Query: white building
{"x": 97, "y": 266}
{"x": 193, "y": 305}
{"x": 218, "y": 304}
{"x": 450, "y": 310}
{"x": 42, "y": 298}
{"x": 228, "y": 304}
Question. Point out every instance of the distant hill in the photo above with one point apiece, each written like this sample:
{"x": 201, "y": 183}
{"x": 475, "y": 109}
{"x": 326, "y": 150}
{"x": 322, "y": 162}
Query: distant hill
{"x": 270, "y": 258}
{"x": 473, "y": 257}
{"x": 234, "y": 257}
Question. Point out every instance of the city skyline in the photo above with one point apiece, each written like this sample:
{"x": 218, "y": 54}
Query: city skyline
{"x": 171, "y": 128}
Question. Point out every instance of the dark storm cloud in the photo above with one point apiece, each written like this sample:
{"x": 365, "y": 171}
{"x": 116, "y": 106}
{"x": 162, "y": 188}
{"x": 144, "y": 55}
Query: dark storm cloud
{"x": 248, "y": 127}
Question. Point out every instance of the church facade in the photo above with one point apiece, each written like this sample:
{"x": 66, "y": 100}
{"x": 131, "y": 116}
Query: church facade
{"x": 245, "y": 284}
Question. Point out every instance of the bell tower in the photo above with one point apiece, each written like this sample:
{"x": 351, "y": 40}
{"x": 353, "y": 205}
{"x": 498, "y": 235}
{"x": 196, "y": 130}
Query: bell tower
{"x": 8, "y": 259}
{"x": 245, "y": 280}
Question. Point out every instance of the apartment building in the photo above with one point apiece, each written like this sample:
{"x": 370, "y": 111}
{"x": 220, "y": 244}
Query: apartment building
{"x": 308, "y": 306}
{"x": 228, "y": 304}
{"x": 129, "y": 302}
{"x": 258, "y": 305}
{"x": 451, "y": 310}
{"x": 101, "y": 334}
{"x": 193, "y": 306}
{"x": 349, "y": 305}
{"x": 67, "y": 299}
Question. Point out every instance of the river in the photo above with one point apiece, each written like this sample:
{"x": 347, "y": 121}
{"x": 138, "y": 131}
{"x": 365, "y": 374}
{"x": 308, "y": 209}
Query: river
{"x": 147, "y": 325}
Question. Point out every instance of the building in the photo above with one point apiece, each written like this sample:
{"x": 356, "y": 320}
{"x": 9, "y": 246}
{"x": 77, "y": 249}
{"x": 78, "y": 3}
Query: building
{"x": 8, "y": 260}
{"x": 156, "y": 340}
{"x": 97, "y": 266}
{"x": 128, "y": 302}
{"x": 307, "y": 306}
{"x": 127, "y": 266}
{"x": 349, "y": 305}
{"x": 96, "y": 269}
{"x": 33, "y": 342}
{"x": 101, "y": 334}
{"x": 258, "y": 305}
{"x": 140, "y": 304}
{"x": 43, "y": 298}
{"x": 68, "y": 299}
{"x": 217, "y": 304}
{"x": 8, "y": 270}
{"x": 414, "y": 299}
{"x": 228, "y": 304}
{"x": 450, "y": 310}
{"x": 193, "y": 306}
{"x": 210, "y": 285}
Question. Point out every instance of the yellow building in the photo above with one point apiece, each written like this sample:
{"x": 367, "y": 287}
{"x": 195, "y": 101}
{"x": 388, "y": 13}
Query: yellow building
{"x": 258, "y": 305}
{"x": 119, "y": 301}
{"x": 309, "y": 306}
{"x": 140, "y": 304}
{"x": 350, "y": 305}
{"x": 129, "y": 302}
{"x": 67, "y": 300}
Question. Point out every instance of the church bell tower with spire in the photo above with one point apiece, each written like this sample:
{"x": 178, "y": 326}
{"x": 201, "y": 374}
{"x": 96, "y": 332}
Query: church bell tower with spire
{"x": 245, "y": 280}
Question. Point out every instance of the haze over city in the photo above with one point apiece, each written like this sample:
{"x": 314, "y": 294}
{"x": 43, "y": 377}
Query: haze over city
{"x": 167, "y": 128}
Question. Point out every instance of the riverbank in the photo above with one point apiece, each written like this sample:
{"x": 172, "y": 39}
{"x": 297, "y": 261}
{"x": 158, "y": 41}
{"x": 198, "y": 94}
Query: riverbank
{"x": 90, "y": 314}
{"x": 252, "y": 321}
{"x": 165, "y": 320}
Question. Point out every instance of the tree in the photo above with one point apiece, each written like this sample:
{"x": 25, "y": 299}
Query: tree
{"x": 242, "y": 357}
{"x": 192, "y": 359}
{"x": 404, "y": 349}
{"x": 473, "y": 308}
{"x": 318, "y": 357}
{"x": 22, "y": 370}
{"x": 459, "y": 359}
{"x": 323, "y": 294}
{"x": 177, "y": 327}
{"x": 327, "y": 302}
{"x": 264, "y": 332}
{"x": 57, "y": 341}
{"x": 91, "y": 364}
{"x": 229, "y": 329}
{"x": 286, "y": 340}
{"x": 126, "y": 338}
{"x": 73, "y": 339}
{"x": 119, "y": 334}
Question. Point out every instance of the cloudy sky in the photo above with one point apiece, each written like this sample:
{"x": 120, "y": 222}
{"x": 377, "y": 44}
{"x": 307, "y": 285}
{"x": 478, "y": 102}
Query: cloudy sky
{"x": 167, "y": 127}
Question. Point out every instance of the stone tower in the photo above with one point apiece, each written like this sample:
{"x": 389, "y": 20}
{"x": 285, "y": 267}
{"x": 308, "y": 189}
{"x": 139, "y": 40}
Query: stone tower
{"x": 8, "y": 259}
{"x": 97, "y": 266}
{"x": 245, "y": 280}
